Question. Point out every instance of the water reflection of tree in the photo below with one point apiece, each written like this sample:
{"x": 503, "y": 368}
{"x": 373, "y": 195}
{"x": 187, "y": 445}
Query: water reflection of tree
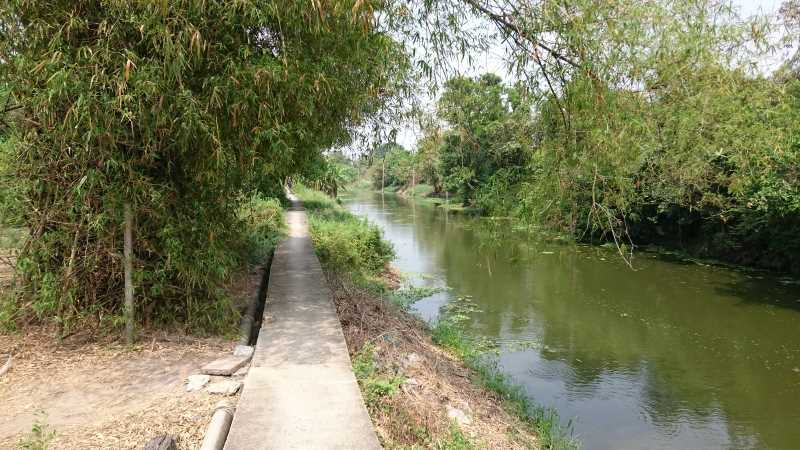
{"x": 699, "y": 358}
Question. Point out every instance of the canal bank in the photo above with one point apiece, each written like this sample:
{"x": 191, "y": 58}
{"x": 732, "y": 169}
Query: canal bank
{"x": 425, "y": 387}
{"x": 669, "y": 355}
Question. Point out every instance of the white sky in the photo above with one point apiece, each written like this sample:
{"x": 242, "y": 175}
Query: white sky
{"x": 750, "y": 7}
{"x": 491, "y": 61}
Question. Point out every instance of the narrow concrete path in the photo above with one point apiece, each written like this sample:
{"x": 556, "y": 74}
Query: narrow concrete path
{"x": 300, "y": 392}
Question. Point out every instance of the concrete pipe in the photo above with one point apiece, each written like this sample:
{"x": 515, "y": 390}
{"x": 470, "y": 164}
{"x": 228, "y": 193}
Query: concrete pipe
{"x": 218, "y": 429}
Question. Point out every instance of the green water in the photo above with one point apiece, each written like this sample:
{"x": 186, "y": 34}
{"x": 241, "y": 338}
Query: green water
{"x": 671, "y": 355}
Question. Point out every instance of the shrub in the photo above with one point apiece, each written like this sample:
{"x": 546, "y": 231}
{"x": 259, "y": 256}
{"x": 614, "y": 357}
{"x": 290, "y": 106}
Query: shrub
{"x": 347, "y": 243}
{"x": 343, "y": 241}
{"x": 313, "y": 199}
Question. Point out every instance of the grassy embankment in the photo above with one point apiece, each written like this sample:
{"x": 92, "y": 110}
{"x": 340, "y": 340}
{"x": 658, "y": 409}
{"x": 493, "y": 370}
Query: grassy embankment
{"x": 424, "y": 194}
{"x": 426, "y": 386}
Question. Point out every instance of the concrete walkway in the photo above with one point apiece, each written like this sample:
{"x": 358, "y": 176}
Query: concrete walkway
{"x": 300, "y": 392}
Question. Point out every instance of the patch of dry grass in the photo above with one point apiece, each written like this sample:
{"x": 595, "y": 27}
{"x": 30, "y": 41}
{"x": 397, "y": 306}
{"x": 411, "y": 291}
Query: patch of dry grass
{"x": 95, "y": 392}
{"x": 416, "y": 414}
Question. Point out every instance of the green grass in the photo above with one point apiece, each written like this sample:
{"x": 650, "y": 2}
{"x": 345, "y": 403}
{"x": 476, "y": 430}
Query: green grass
{"x": 313, "y": 200}
{"x": 342, "y": 240}
{"x": 420, "y": 190}
{"x": 374, "y": 385}
{"x": 40, "y": 436}
{"x": 12, "y": 237}
{"x": 455, "y": 440}
{"x": 408, "y": 295}
{"x": 449, "y": 332}
{"x": 452, "y": 203}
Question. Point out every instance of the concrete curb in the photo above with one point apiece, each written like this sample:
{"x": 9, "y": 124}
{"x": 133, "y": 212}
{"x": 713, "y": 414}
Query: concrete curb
{"x": 251, "y": 320}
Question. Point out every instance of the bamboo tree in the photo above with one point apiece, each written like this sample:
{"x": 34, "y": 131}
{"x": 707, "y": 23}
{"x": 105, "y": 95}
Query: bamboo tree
{"x": 189, "y": 108}
{"x": 130, "y": 313}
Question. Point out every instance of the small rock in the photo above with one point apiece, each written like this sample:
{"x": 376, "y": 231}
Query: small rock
{"x": 458, "y": 415}
{"x": 410, "y": 360}
{"x": 196, "y": 382}
{"x": 7, "y": 366}
{"x": 226, "y": 387}
{"x": 243, "y": 350}
{"x": 410, "y": 384}
{"x": 163, "y": 442}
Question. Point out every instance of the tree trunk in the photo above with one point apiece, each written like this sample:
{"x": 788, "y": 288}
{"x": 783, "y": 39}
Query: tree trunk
{"x": 128, "y": 263}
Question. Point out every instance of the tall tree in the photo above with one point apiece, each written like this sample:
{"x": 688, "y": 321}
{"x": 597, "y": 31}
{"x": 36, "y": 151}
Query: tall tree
{"x": 180, "y": 109}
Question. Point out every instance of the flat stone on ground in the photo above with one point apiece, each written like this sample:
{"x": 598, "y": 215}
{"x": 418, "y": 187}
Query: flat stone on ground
{"x": 163, "y": 442}
{"x": 243, "y": 350}
{"x": 224, "y": 387}
{"x": 196, "y": 382}
{"x": 458, "y": 415}
{"x": 225, "y": 366}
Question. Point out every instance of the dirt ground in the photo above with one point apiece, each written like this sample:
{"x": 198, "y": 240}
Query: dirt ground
{"x": 87, "y": 395}
{"x": 436, "y": 383}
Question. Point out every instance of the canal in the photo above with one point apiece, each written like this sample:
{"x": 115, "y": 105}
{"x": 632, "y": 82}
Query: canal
{"x": 668, "y": 355}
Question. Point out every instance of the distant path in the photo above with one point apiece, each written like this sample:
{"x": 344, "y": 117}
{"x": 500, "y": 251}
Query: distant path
{"x": 300, "y": 392}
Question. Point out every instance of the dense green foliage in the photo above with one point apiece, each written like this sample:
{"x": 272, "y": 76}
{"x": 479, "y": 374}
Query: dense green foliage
{"x": 264, "y": 226}
{"x": 679, "y": 143}
{"x": 329, "y": 173}
{"x": 486, "y": 143}
{"x": 396, "y": 168}
{"x": 182, "y": 109}
{"x": 631, "y": 121}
